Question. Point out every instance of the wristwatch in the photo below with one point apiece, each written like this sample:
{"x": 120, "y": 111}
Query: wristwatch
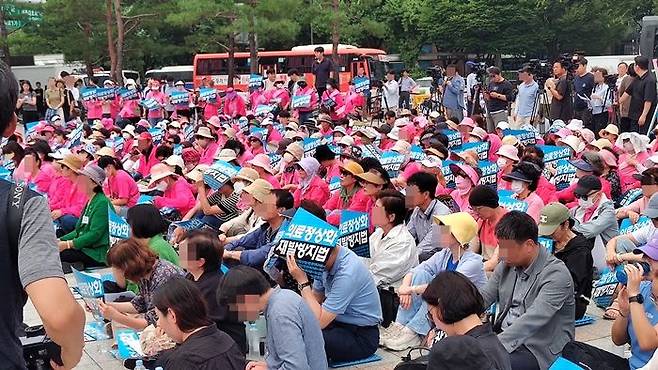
{"x": 636, "y": 298}
{"x": 303, "y": 285}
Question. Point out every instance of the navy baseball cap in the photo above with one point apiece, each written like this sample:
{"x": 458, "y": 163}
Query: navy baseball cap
{"x": 582, "y": 165}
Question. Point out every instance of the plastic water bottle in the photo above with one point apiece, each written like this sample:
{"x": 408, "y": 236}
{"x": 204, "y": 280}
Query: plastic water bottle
{"x": 159, "y": 368}
{"x": 253, "y": 340}
{"x": 139, "y": 365}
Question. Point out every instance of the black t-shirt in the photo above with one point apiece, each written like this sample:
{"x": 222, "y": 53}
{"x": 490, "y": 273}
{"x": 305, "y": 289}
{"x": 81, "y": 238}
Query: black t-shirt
{"x": 642, "y": 89}
{"x": 321, "y": 71}
{"x": 562, "y": 109}
{"x": 583, "y": 86}
{"x": 504, "y": 87}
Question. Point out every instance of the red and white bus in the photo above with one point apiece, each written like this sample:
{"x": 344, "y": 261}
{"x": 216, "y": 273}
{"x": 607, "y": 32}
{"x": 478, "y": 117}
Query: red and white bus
{"x": 350, "y": 58}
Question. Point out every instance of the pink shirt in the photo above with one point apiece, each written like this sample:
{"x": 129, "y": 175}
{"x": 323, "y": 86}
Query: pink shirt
{"x": 208, "y": 155}
{"x": 130, "y": 109}
{"x": 358, "y": 203}
{"x": 94, "y": 109}
{"x": 161, "y": 98}
{"x": 145, "y": 164}
{"x": 234, "y": 107}
{"x": 410, "y": 169}
{"x": 274, "y": 136}
{"x": 626, "y": 171}
{"x": 257, "y": 98}
{"x": 44, "y": 178}
{"x": 317, "y": 191}
{"x": 54, "y": 194}
{"x": 338, "y": 110}
{"x": 545, "y": 190}
{"x": 535, "y": 204}
{"x": 178, "y": 196}
{"x": 211, "y": 109}
{"x": 122, "y": 186}
{"x": 333, "y": 171}
{"x": 462, "y": 201}
{"x": 487, "y": 236}
{"x": 72, "y": 201}
{"x": 272, "y": 180}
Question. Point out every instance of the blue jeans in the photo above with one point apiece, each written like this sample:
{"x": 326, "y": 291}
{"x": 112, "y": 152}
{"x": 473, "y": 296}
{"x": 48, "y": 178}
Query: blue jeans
{"x": 65, "y": 224}
{"x": 415, "y": 318}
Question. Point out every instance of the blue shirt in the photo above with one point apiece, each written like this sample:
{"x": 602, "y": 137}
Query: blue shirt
{"x": 470, "y": 264}
{"x": 294, "y": 337}
{"x": 525, "y": 99}
{"x": 453, "y": 95}
{"x": 640, "y": 358}
{"x": 350, "y": 291}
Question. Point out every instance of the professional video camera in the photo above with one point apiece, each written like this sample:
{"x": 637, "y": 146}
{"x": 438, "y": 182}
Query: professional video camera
{"x": 437, "y": 73}
{"x": 480, "y": 70}
{"x": 611, "y": 80}
{"x": 38, "y": 349}
{"x": 541, "y": 69}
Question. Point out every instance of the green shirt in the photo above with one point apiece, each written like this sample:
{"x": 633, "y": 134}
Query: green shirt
{"x": 91, "y": 234}
{"x": 163, "y": 249}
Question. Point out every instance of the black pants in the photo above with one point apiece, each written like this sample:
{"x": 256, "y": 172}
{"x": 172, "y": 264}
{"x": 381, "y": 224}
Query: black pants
{"x": 30, "y": 116}
{"x": 585, "y": 116}
{"x": 625, "y": 124}
{"x": 599, "y": 122}
{"x": 405, "y": 100}
{"x": 346, "y": 342}
{"x": 523, "y": 359}
{"x": 592, "y": 357}
{"x": 320, "y": 90}
{"x": 78, "y": 257}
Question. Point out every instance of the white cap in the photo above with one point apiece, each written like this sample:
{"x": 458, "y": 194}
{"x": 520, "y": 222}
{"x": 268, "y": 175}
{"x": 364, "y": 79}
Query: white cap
{"x": 502, "y": 125}
{"x": 175, "y": 160}
{"x": 432, "y": 161}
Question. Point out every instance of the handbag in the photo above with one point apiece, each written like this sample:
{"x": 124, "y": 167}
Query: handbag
{"x": 419, "y": 363}
{"x": 390, "y": 302}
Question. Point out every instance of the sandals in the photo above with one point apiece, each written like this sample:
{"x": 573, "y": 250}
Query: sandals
{"x": 612, "y": 312}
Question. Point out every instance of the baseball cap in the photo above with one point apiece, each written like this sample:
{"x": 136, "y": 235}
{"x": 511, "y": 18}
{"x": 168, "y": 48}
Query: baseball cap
{"x": 582, "y": 165}
{"x": 259, "y": 189}
{"x": 145, "y": 136}
{"x": 650, "y": 249}
{"x": 648, "y": 177}
{"x": 462, "y": 225}
{"x": 586, "y": 184}
{"x": 651, "y": 210}
{"x": 517, "y": 175}
{"x": 552, "y": 216}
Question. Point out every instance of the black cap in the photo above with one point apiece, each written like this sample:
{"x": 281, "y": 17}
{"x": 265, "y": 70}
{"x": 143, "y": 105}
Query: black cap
{"x": 517, "y": 175}
{"x": 324, "y": 153}
{"x": 461, "y": 352}
{"x": 587, "y": 184}
{"x": 483, "y": 196}
{"x": 384, "y": 129}
{"x": 648, "y": 177}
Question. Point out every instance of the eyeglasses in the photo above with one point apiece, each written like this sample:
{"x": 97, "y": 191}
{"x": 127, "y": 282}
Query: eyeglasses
{"x": 430, "y": 317}
{"x": 584, "y": 197}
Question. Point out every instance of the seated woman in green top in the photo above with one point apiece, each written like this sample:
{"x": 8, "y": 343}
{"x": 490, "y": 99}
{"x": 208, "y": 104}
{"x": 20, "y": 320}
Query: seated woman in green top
{"x": 87, "y": 245}
{"x": 146, "y": 225}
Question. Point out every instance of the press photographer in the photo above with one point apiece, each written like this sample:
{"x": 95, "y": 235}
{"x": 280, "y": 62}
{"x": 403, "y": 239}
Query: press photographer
{"x": 583, "y": 85}
{"x": 499, "y": 93}
{"x": 29, "y": 262}
{"x": 560, "y": 90}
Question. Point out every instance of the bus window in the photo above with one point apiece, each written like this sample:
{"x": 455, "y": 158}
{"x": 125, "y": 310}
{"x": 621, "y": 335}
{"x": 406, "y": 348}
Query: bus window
{"x": 302, "y": 63}
{"x": 206, "y": 67}
{"x": 377, "y": 70}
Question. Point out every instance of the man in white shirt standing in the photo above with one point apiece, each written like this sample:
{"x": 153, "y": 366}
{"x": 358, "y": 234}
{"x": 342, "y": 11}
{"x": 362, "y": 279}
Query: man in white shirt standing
{"x": 471, "y": 81}
{"x": 391, "y": 92}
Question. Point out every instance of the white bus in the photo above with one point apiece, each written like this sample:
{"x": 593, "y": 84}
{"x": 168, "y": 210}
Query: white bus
{"x": 178, "y": 73}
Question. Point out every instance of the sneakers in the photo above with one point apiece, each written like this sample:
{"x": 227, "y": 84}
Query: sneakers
{"x": 387, "y": 333}
{"x": 402, "y": 339}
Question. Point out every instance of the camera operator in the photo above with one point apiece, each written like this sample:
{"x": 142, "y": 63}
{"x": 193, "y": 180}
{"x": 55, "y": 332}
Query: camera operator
{"x": 471, "y": 82}
{"x": 525, "y": 99}
{"x": 30, "y": 262}
{"x": 499, "y": 93}
{"x": 623, "y": 81}
{"x": 583, "y": 84}
{"x": 560, "y": 90}
{"x": 453, "y": 93}
{"x": 391, "y": 90}
{"x": 601, "y": 99}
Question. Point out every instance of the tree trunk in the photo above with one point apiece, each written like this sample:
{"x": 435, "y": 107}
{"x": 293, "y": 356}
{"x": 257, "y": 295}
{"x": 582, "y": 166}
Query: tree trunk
{"x": 86, "y": 28}
{"x": 253, "y": 47}
{"x": 120, "y": 43}
{"x": 111, "y": 46}
{"x": 335, "y": 38}
{"x": 231, "y": 59}
{"x": 4, "y": 48}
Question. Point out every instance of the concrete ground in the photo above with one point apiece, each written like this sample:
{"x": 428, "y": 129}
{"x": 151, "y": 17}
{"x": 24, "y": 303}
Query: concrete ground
{"x": 97, "y": 356}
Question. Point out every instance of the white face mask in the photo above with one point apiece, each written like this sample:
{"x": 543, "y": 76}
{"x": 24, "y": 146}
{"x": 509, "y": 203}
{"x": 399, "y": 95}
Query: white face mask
{"x": 113, "y": 135}
{"x": 328, "y": 87}
{"x": 585, "y": 203}
{"x": 517, "y": 186}
{"x": 162, "y": 186}
{"x": 127, "y": 136}
{"x": 155, "y": 88}
{"x": 501, "y": 162}
{"x": 238, "y": 187}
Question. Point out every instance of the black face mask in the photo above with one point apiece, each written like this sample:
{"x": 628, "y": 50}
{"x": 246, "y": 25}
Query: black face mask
{"x": 302, "y": 84}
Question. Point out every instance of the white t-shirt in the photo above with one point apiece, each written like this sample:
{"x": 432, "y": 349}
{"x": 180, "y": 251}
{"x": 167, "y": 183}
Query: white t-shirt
{"x": 391, "y": 94}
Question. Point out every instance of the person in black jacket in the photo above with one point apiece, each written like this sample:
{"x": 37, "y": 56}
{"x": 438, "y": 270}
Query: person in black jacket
{"x": 182, "y": 315}
{"x": 201, "y": 255}
{"x": 571, "y": 248}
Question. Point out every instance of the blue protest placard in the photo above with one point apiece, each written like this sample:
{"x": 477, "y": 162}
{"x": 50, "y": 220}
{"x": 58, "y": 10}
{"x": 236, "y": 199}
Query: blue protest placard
{"x": 565, "y": 174}
{"x": 626, "y": 227}
{"x": 361, "y": 84}
{"x": 188, "y": 131}
{"x": 489, "y": 175}
{"x": 481, "y": 148}
{"x": 454, "y": 138}
{"x": 604, "y": 289}
{"x": 118, "y": 226}
{"x": 328, "y": 103}
{"x": 310, "y": 240}
{"x": 157, "y": 134}
{"x": 512, "y": 204}
{"x": 178, "y": 149}
{"x": 88, "y": 93}
{"x": 75, "y": 137}
{"x": 525, "y": 137}
{"x": 145, "y": 199}
{"x": 630, "y": 196}
{"x": 334, "y": 183}
{"x": 392, "y": 161}
{"x": 128, "y": 344}
{"x": 90, "y": 286}
{"x": 255, "y": 80}
{"x": 310, "y": 144}
{"x": 208, "y": 94}
{"x": 243, "y": 122}
{"x": 150, "y": 104}
{"x": 447, "y": 173}
{"x": 417, "y": 153}
{"x": 563, "y": 364}
{"x": 5, "y": 174}
{"x": 335, "y": 148}
{"x": 370, "y": 151}
{"x": 192, "y": 224}
{"x": 263, "y": 109}
{"x": 354, "y": 232}
{"x": 258, "y": 131}
{"x": 275, "y": 159}
{"x": 504, "y": 193}
{"x": 547, "y": 243}
{"x": 552, "y": 154}
{"x": 179, "y": 97}
{"x": 219, "y": 173}
{"x": 108, "y": 93}
{"x": 128, "y": 94}
{"x": 116, "y": 144}
{"x": 300, "y": 101}
{"x": 31, "y": 127}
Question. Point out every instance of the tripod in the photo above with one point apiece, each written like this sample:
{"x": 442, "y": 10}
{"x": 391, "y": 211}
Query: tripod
{"x": 541, "y": 107}
{"x": 376, "y": 113}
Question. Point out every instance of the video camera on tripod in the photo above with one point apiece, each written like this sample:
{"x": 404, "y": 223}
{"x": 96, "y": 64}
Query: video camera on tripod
{"x": 542, "y": 70}
{"x": 39, "y": 349}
